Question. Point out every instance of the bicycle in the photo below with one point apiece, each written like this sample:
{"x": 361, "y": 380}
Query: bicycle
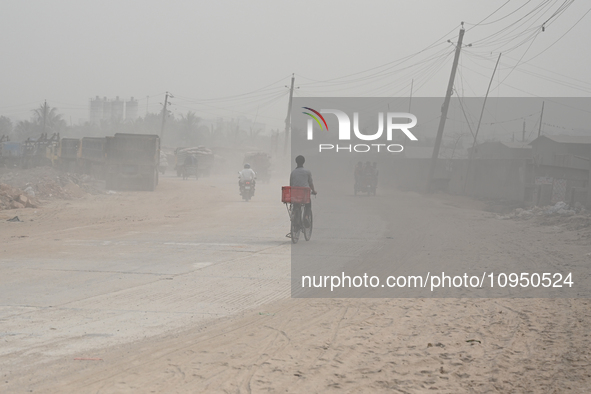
{"x": 295, "y": 199}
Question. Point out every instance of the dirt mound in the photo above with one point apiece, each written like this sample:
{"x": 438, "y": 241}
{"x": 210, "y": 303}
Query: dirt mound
{"x": 43, "y": 183}
{"x": 15, "y": 198}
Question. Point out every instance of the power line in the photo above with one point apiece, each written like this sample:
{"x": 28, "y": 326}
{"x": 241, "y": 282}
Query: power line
{"x": 225, "y": 98}
{"x": 551, "y": 45}
{"x": 394, "y": 62}
{"x": 494, "y": 12}
{"x": 532, "y": 94}
{"x": 575, "y": 86}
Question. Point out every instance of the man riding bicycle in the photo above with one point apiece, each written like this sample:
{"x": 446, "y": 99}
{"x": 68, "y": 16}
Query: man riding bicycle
{"x": 300, "y": 177}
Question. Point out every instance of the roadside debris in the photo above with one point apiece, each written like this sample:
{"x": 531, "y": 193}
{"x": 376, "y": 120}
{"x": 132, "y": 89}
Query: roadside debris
{"x": 560, "y": 208}
{"x": 14, "y": 198}
{"x": 575, "y": 218}
{"x": 14, "y": 219}
{"x": 25, "y": 188}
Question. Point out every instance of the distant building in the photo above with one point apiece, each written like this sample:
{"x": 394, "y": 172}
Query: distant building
{"x": 117, "y": 109}
{"x": 106, "y": 109}
{"x": 501, "y": 150}
{"x": 561, "y": 168}
{"x": 424, "y": 152}
{"x": 96, "y": 111}
{"x": 562, "y": 151}
{"x": 131, "y": 109}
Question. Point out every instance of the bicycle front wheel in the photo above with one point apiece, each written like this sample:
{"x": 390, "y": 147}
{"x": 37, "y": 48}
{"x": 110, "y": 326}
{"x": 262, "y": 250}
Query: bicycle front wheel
{"x": 307, "y": 225}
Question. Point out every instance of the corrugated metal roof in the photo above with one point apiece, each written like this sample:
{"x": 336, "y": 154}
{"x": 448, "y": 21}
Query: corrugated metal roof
{"x": 516, "y": 145}
{"x": 426, "y": 152}
{"x": 512, "y": 145}
{"x": 567, "y": 139}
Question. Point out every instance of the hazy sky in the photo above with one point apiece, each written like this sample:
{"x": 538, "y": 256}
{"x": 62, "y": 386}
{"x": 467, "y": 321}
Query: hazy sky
{"x": 67, "y": 51}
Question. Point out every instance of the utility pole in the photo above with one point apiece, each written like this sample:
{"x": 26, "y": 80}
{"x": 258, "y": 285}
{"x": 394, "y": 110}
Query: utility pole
{"x": 288, "y": 118}
{"x": 147, "y": 102}
{"x": 523, "y": 132}
{"x": 541, "y": 117}
{"x": 164, "y": 114}
{"x": 444, "y": 110}
{"x": 410, "y": 98}
{"x": 471, "y": 155}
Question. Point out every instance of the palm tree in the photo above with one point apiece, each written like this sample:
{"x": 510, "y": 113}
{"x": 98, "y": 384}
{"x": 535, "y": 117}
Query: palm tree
{"x": 48, "y": 116}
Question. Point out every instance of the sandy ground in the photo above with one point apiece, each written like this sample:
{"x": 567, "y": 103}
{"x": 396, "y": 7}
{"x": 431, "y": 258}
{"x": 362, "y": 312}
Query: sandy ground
{"x": 187, "y": 290}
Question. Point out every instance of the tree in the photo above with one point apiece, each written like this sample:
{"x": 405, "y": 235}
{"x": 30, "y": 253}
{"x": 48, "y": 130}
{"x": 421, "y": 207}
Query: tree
{"x": 5, "y": 126}
{"x": 189, "y": 125}
{"x": 54, "y": 122}
{"x": 25, "y": 129}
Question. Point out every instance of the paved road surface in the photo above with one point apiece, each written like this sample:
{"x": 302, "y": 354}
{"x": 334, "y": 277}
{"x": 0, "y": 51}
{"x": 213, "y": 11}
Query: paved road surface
{"x": 109, "y": 269}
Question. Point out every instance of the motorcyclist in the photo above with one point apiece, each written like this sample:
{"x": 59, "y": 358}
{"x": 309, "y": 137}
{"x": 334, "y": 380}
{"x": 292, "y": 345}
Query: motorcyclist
{"x": 375, "y": 173}
{"x": 300, "y": 177}
{"x": 358, "y": 173}
{"x": 247, "y": 174}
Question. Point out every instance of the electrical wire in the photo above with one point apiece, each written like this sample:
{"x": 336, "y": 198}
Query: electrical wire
{"x": 576, "y": 86}
{"x": 500, "y": 19}
{"x": 532, "y": 94}
{"x": 494, "y": 12}
{"x": 392, "y": 63}
{"x": 560, "y": 38}
{"x": 224, "y": 98}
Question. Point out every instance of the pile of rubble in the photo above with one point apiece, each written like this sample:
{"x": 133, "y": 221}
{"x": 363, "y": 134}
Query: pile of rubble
{"x": 26, "y": 187}
{"x": 559, "y": 209}
{"x": 560, "y": 214}
{"x": 15, "y": 198}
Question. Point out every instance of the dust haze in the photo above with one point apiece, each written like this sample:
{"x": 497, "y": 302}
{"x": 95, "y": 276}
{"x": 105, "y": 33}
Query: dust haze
{"x": 151, "y": 241}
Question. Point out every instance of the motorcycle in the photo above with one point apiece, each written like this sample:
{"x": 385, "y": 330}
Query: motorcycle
{"x": 365, "y": 185}
{"x": 247, "y": 190}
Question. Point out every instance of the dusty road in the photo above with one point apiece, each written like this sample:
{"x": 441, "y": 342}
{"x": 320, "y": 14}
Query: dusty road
{"x": 109, "y": 269}
{"x": 187, "y": 290}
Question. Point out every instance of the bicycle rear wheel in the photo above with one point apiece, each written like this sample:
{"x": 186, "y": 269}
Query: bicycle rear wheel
{"x": 307, "y": 220}
{"x": 296, "y": 219}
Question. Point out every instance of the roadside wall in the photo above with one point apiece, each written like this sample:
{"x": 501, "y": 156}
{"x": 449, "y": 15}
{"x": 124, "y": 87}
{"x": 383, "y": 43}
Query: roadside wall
{"x": 488, "y": 178}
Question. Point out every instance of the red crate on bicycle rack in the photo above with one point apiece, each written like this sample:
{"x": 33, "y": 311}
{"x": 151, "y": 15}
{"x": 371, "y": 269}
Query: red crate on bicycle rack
{"x": 295, "y": 195}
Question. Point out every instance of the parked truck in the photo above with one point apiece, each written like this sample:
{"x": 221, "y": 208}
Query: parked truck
{"x": 38, "y": 151}
{"x": 11, "y": 153}
{"x": 131, "y": 161}
{"x": 68, "y": 152}
{"x": 92, "y": 156}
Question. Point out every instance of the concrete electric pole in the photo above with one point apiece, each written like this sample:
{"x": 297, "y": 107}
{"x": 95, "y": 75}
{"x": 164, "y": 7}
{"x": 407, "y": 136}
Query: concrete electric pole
{"x": 164, "y": 114}
{"x": 444, "y": 110}
{"x": 541, "y": 118}
{"x": 288, "y": 118}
